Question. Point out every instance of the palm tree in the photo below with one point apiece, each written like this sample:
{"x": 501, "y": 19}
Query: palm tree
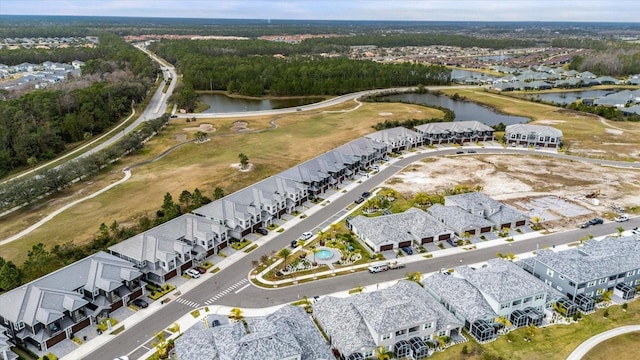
{"x": 314, "y": 250}
{"x": 236, "y": 314}
{"x": 620, "y": 231}
{"x": 284, "y": 253}
{"x": 383, "y": 354}
{"x": 161, "y": 345}
{"x": 415, "y": 276}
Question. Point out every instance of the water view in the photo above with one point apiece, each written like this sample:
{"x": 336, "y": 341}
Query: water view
{"x": 570, "y": 96}
{"x": 220, "y": 103}
{"x": 465, "y": 110}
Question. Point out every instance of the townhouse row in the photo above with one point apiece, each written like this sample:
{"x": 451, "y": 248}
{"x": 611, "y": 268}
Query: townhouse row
{"x": 409, "y": 319}
{"x": 463, "y": 215}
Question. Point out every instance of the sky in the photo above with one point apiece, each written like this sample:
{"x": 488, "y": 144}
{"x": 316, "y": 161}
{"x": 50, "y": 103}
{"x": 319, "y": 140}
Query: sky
{"x": 419, "y": 10}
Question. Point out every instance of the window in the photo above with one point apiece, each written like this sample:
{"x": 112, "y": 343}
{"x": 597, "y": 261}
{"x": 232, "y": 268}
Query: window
{"x": 527, "y": 300}
{"x": 602, "y": 281}
{"x": 571, "y": 283}
{"x": 630, "y": 273}
{"x": 504, "y": 306}
{"x": 19, "y": 325}
{"x": 368, "y": 354}
{"x": 386, "y": 336}
{"x": 549, "y": 272}
{"x": 539, "y": 297}
{"x": 414, "y": 329}
{"x": 427, "y": 326}
{"x": 442, "y": 333}
{"x": 561, "y": 277}
{"x": 517, "y": 302}
{"x": 401, "y": 332}
{"x": 612, "y": 277}
{"x": 581, "y": 286}
{"x": 591, "y": 283}
{"x": 559, "y": 288}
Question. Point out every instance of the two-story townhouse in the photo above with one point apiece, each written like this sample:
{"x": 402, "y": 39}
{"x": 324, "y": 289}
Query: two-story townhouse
{"x": 237, "y": 218}
{"x": 50, "y": 309}
{"x": 461, "y": 221}
{"x": 399, "y": 230}
{"x": 158, "y": 258}
{"x": 533, "y": 135}
{"x": 314, "y": 179}
{"x": 364, "y": 153}
{"x": 583, "y": 273}
{"x": 401, "y": 318}
{"x": 498, "y": 289}
{"x": 206, "y": 237}
{"x": 398, "y": 138}
{"x": 455, "y": 132}
{"x": 479, "y": 204}
{"x": 288, "y": 333}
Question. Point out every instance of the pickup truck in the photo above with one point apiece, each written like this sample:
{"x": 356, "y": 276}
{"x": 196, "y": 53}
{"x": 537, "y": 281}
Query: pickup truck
{"x": 396, "y": 265}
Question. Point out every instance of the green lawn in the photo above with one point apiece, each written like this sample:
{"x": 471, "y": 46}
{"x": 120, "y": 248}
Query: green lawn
{"x": 551, "y": 343}
{"x": 625, "y": 347}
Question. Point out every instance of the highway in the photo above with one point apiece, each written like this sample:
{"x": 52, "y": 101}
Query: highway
{"x": 254, "y": 297}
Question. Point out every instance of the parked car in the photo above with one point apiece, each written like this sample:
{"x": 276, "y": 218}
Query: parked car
{"x": 294, "y": 243}
{"x": 635, "y": 231}
{"x": 200, "y": 269}
{"x": 193, "y": 273}
{"x": 306, "y": 235}
{"x": 594, "y": 221}
{"x": 174, "y": 116}
{"x": 140, "y": 303}
{"x": 359, "y": 200}
{"x": 459, "y": 152}
{"x": 471, "y": 151}
{"x": 396, "y": 265}
{"x": 452, "y": 242}
{"x": 366, "y": 194}
{"x": 262, "y": 231}
{"x": 622, "y": 218}
{"x": 408, "y": 250}
{"x": 376, "y": 268}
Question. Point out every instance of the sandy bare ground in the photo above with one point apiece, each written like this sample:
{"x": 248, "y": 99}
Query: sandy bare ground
{"x": 207, "y": 128}
{"x": 510, "y": 178}
{"x": 239, "y": 167}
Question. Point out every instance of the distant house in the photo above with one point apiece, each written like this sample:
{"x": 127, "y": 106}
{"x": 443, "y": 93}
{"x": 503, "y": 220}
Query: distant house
{"x": 458, "y": 132}
{"x": 401, "y": 318}
{"x": 77, "y": 64}
{"x": 533, "y": 135}
{"x": 5, "y": 347}
{"x": 288, "y": 333}
{"x": 478, "y": 296}
{"x": 479, "y": 204}
{"x": 618, "y": 99}
{"x": 503, "y": 86}
{"x": 583, "y": 273}
{"x": 395, "y": 231}
{"x": 52, "y": 308}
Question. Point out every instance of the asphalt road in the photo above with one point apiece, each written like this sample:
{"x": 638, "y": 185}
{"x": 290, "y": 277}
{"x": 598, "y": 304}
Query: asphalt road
{"x": 254, "y": 297}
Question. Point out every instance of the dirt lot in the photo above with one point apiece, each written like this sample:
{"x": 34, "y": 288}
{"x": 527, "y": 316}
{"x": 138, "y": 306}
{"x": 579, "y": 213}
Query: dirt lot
{"x": 513, "y": 179}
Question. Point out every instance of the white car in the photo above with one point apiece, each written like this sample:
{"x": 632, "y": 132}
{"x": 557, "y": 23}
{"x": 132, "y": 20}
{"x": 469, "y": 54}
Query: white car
{"x": 306, "y": 235}
{"x": 193, "y": 273}
{"x": 635, "y": 231}
{"x": 622, "y": 218}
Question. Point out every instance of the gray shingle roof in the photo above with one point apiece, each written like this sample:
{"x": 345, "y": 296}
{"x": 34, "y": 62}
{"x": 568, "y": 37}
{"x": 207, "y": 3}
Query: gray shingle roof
{"x": 540, "y": 130}
{"x": 479, "y": 203}
{"x": 453, "y": 127}
{"x": 101, "y": 270}
{"x": 594, "y": 260}
{"x": 413, "y": 224}
{"x": 464, "y": 297}
{"x": 398, "y": 134}
{"x": 405, "y": 304}
{"x": 502, "y": 280}
{"x": 457, "y": 218}
{"x": 285, "y": 333}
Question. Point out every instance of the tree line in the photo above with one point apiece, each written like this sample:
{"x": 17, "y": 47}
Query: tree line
{"x": 613, "y": 62}
{"x": 40, "y": 125}
{"x": 26, "y": 190}
{"x": 399, "y": 40}
{"x": 41, "y": 261}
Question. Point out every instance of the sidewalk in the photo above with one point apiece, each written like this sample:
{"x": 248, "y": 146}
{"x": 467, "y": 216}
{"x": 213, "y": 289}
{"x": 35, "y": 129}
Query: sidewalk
{"x": 188, "y": 320}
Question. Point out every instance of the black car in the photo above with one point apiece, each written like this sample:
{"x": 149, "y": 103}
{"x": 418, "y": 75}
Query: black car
{"x": 471, "y": 151}
{"x": 294, "y": 243}
{"x": 366, "y": 194}
{"x": 595, "y": 221}
{"x": 174, "y": 116}
{"x": 262, "y": 231}
{"x": 460, "y": 152}
{"x": 140, "y": 303}
{"x": 408, "y": 250}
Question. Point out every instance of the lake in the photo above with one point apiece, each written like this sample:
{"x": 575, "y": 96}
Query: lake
{"x": 220, "y": 103}
{"x": 465, "y": 110}
{"x": 569, "y": 97}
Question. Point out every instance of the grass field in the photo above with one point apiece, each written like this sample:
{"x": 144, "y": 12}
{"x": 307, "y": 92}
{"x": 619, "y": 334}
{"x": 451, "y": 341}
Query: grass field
{"x": 549, "y": 343}
{"x": 298, "y": 137}
{"x": 583, "y": 134}
{"x": 625, "y": 347}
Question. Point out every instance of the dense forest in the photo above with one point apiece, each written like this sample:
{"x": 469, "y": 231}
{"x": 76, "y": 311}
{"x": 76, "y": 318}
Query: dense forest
{"x": 400, "y": 40}
{"x": 214, "y": 65}
{"x": 612, "y": 62}
{"x": 39, "y": 125}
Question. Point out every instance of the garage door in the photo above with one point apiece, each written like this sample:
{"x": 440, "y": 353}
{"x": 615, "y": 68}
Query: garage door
{"x": 444, "y": 237}
{"x": 386, "y": 247}
{"x": 485, "y": 229}
{"x": 472, "y": 232}
{"x": 521, "y": 223}
{"x": 404, "y": 243}
{"x": 507, "y": 225}
{"x": 427, "y": 240}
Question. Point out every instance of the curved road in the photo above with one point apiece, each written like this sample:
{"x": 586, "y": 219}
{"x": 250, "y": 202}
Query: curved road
{"x": 255, "y": 297}
{"x": 584, "y": 348}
